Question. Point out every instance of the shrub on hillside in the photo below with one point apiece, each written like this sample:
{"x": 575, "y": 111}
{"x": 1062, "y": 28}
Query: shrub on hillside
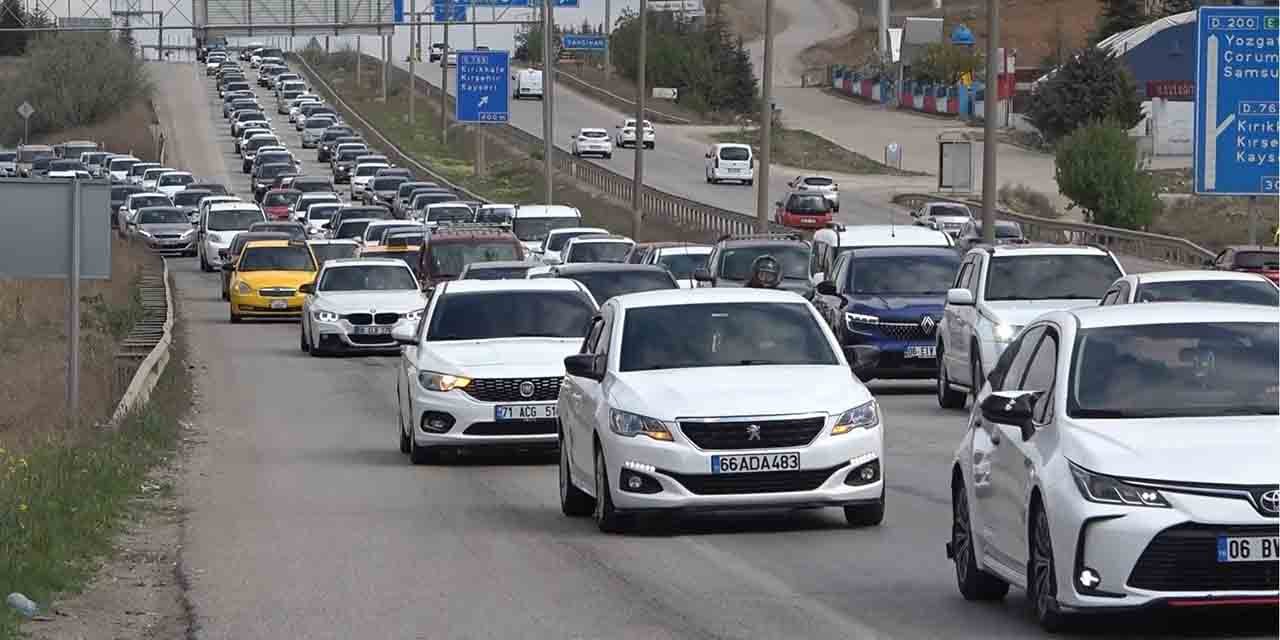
{"x": 72, "y": 80}
{"x": 1092, "y": 86}
{"x": 1097, "y": 169}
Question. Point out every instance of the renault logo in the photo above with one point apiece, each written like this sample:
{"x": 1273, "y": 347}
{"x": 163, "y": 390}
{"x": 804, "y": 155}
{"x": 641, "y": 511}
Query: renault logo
{"x": 1269, "y": 502}
{"x": 927, "y": 325}
{"x": 526, "y": 389}
{"x": 753, "y": 432}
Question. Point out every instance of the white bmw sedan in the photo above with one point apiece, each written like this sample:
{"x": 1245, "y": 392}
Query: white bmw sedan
{"x": 1124, "y": 456}
{"x": 726, "y": 399}
{"x": 354, "y": 304}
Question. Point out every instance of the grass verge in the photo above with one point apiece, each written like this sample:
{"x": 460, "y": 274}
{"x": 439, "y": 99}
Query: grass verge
{"x": 63, "y": 500}
{"x": 1215, "y": 222}
{"x": 1172, "y": 180}
{"x": 626, "y": 89}
{"x": 1024, "y": 199}
{"x": 811, "y": 152}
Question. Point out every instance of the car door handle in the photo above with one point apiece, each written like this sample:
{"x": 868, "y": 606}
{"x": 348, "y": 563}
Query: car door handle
{"x": 995, "y": 438}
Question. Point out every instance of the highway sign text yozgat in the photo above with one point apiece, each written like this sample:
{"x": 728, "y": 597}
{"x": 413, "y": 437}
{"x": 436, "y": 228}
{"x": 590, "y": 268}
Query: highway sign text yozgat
{"x": 482, "y": 87}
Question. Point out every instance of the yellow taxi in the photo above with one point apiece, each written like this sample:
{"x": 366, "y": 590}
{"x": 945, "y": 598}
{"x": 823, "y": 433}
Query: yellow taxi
{"x": 399, "y": 245}
{"x": 266, "y": 277}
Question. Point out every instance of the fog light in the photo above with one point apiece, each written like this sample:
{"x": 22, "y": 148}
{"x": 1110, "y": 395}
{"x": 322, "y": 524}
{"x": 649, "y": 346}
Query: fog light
{"x": 437, "y": 422}
{"x": 635, "y": 482}
{"x": 866, "y": 473}
{"x": 1089, "y": 579}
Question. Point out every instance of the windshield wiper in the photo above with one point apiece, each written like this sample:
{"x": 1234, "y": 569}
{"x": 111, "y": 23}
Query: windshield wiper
{"x": 751, "y": 362}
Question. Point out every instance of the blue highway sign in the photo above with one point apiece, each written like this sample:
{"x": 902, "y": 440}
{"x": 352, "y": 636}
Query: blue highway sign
{"x": 482, "y": 87}
{"x": 1237, "y": 141}
{"x": 580, "y": 42}
{"x": 450, "y": 11}
{"x": 398, "y": 9}
{"x": 565, "y": 3}
{"x": 496, "y": 3}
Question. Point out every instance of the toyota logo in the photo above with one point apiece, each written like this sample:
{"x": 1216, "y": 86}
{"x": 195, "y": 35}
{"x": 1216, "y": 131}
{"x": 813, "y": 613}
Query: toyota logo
{"x": 527, "y": 389}
{"x": 753, "y": 432}
{"x": 927, "y": 325}
{"x": 1269, "y": 501}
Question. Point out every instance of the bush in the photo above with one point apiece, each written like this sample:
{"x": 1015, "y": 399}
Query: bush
{"x": 72, "y": 80}
{"x": 1024, "y": 199}
{"x": 1091, "y": 87}
{"x": 1097, "y": 168}
{"x": 946, "y": 64}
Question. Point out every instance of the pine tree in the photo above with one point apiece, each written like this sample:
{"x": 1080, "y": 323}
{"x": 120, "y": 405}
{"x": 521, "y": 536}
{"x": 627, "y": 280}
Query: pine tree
{"x": 1174, "y": 7}
{"x": 1119, "y": 15}
{"x": 1092, "y": 86}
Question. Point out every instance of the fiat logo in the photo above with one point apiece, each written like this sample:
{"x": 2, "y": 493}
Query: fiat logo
{"x": 526, "y": 389}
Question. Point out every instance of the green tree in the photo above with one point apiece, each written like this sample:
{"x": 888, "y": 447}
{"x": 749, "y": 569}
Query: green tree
{"x": 1119, "y": 15}
{"x": 14, "y": 15}
{"x": 945, "y": 63}
{"x": 1092, "y": 86}
{"x": 1174, "y": 7}
{"x": 1097, "y": 169}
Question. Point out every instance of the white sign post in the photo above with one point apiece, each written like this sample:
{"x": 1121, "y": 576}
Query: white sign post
{"x": 26, "y": 111}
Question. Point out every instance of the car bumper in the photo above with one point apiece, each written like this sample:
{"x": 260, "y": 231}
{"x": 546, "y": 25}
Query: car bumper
{"x": 802, "y": 221}
{"x": 309, "y": 141}
{"x": 894, "y": 363}
{"x": 732, "y": 174}
{"x": 213, "y": 254}
{"x": 684, "y": 474}
{"x": 261, "y": 306}
{"x": 474, "y": 422}
{"x": 1156, "y": 556}
{"x": 171, "y": 247}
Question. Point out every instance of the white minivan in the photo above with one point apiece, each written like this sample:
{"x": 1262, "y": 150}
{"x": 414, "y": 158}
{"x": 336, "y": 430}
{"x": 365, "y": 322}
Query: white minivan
{"x": 527, "y": 84}
{"x": 730, "y": 162}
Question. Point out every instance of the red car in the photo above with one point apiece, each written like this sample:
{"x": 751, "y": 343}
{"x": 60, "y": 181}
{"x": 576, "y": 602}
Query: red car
{"x": 1257, "y": 259}
{"x": 804, "y": 211}
{"x": 277, "y": 203}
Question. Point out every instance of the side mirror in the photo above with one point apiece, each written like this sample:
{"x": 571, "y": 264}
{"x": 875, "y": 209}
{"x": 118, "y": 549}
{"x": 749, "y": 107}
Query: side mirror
{"x": 827, "y": 288}
{"x": 915, "y": 214}
{"x": 308, "y": 288}
{"x": 228, "y": 267}
{"x": 960, "y": 297}
{"x": 862, "y": 358}
{"x": 701, "y": 274}
{"x": 1208, "y": 262}
{"x": 933, "y": 225}
{"x": 777, "y": 203}
{"x": 584, "y": 365}
{"x": 403, "y": 333}
{"x": 817, "y": 278}
{"x": 1013, "y": 408}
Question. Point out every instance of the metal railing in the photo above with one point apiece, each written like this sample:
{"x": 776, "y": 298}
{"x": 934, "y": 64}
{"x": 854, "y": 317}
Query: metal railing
{"x": 1139, "y": 244}
{"x": 651, "y": 113}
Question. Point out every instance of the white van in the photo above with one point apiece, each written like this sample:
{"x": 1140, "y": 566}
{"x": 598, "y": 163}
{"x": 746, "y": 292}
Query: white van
{"x": 828, "y": 243}
{"x": 532, "y": 222}
{"x": 527, "y": 83}
{"x": 730, "y": 162}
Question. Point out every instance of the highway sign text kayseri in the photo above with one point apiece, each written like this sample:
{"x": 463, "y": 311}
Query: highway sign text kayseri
{"x": 1237, "y": 141}
{"x": 482, "y": 87}
{"x": 583, "y": 42}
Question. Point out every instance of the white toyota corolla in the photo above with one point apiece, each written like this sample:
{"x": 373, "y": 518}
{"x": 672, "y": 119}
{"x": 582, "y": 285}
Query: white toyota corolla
{"x": 1125, "y": 456}
{"x": 716, "y": 399}
{"x": 354, "y": 304}
{"x": 484, "y": 366}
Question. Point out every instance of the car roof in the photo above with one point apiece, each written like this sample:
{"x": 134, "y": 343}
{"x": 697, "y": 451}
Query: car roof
{"x": 232, "y": 206}
{"x": 357, "y": 262}
{"x": 149, "y": 193}
{"x": 1045, "y": 250}
{"x": 568, "y": 270}
{"x": 1195, "y": 275}
{"x": 1123, "y": 315}
{"x": 395, "y": 223}
{"x": 876, "y": 235}
{"x": 181, "y": 173}
{"x": 334, "y": 241}
{"x": 268, "y": 243}
{"x": 546, "y": 211}
{"x": 486, "y": 286}
{"x": 580, "y": 230}
{"x": 904, "y": 250}
{"x": 590, "y": 239}
{"x": 683, "y": 249}
{"x": 709, "y": 295}
{"x": 499, "y": 264}
{"x": 592, "y": 129}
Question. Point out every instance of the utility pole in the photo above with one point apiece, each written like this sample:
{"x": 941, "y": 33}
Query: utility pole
{"x": 444, "y": 79}
{"x": 990, "y": 105}
{"x": 413, "y": 78}
{"x": 386, "y": 65}
{"x": 637, "y": 184}
{"x": 766, "y": 123}
{"x": 359, "y": 60}
{"x": 608, "y": 46}
{"x": 473, "y": 26}
{"x": 548, "y": 84}
{"x": 883, "y": 40}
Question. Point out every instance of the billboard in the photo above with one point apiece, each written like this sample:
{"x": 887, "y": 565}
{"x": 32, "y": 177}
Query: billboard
{"x": 292, "y": 17}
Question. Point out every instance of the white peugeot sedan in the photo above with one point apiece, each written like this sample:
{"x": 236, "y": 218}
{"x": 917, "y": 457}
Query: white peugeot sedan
{"x": 484, "y": 367}
{"x": 1121, "y": 457}
{"x": 353, "y": 305}
{"x": 727, "y": 398}
{"x": 1193, "y": 285}
{"x": 591, "y": 141}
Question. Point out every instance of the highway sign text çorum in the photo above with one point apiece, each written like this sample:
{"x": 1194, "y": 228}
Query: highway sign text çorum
{"x": 1237, "y": 140}
{"x": 581, "y": 42}
{"x": 482, "y": 87}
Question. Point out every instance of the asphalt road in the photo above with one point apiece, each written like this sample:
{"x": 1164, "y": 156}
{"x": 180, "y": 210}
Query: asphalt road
{"x": 304, "y": 520}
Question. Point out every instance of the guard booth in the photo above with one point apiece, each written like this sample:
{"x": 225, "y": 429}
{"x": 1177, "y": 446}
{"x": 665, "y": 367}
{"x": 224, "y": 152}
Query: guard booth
{"x": 955, "y": 162}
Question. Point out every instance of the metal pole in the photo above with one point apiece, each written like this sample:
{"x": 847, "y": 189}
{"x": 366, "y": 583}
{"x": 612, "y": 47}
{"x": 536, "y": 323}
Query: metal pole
{"x": 359, "y": 55}
{"x": 766, "y": 123}
{"x": 73, "y": 313}
{"x": 990, "y": 105}
{"x": 482, "y": 169}
{"x": 637, "y": 183}
{"x": 386, "y": 65}
{"x": 608, "y": 46}
{"x": 548, "y": 84}
{"x": 883, "y": 28}
{"x": 473, "y": 26}
{"x": 1253, "y": 220}
{"x": 413, "y": 78}
{"x": 444, "y": 81}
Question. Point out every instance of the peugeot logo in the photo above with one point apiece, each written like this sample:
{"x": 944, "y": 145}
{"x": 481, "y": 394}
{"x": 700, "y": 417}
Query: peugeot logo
{"x": 753, "y": 432}
{"x": 927, "y": 325}
{"x": 527, "y": 389}
{"x": 1270, "y": 502}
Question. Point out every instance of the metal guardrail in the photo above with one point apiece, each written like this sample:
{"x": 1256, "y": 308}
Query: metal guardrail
{"x": 144, "y": 352}
{"x": 653, "y": 114}
{"x": 1139, "y": 244}
{"x": 616, "y": 186}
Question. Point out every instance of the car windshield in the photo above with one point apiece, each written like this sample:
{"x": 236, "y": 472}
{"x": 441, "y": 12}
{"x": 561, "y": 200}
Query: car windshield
{"x": 387, "y": 183}
{"x": 374, "y": 213}
{"x": 139, "y": 202}
{"x": 722, "y": 335}
{"x": 1231, "y": 291}
{"x": 120, "y": 193}
{"x": 951, "y": 210}
{"x": 162, "y": 216}
{"x": 557, "y": 242}
{"x": 290, "y": 258}
{"x": 449, "y": 258}
{"x": 352, "y": 229}
{"x": 332, "y": 134}
{"x": 369, "y": 169}
{"x": 321, "y": 213}
{"x": 1050, "y": 277}
{"x": 295, "y": 231}
{"x": 907, "y": 275}
{"x": 8, "y": 156}
{"x": 122, "y": 165}
{"x": 188, "y": 198}
{"x": 319, "y": 122}
{"x": 1258, "y": 260}
{"x": 510, "y": 314}
{"x": 273, "y": 170}
{"x": 496, "y": 273}
{"x": 179, "y": 179}
{"x": 808, "y": 204}
{"x": 536, "y": 229}
{"x": 1175, "y": 370}
{"x": 333, "y": 251}
{"x": 495, "y": 215}
{"x": 735, "y": 262}
{"x": 281, "y": 198}
{"x": 595, "y": 134}
{"x": 368, "y": 277}
{"x": 312, "y": 186}
{"x": 682, "y": 265}
{"x": 607, "y": 284}
{"x": 815, "y": 181}
{"x": 347, "y": 156}
{"x": 235, "y": 220}
{"x": 450, "y": 214}
{"x": 738, "y": 154}
{"x": 377, "y": 234}
{"x": 598, "y": 252}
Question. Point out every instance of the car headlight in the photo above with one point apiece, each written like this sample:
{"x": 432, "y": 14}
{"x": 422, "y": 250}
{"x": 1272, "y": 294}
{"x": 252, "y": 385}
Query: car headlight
{"x": 243, "y": 288}
{"x": 851, "y": 319}
{"x": 442, "y": 381}
{"x": 1005, "y": 332}
{"x": 414, "y": 315}
{"x": 188, "y": 233}
{"x": 1096, "y": 487}
{"x": 863, "y": 416}
{"x": 324, "y": 316}
{"x": 144, "y": 233}
{"x": 630, "y": 425}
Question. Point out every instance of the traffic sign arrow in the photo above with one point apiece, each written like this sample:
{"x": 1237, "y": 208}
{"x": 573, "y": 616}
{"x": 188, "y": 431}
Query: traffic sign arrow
{"x": 26, "y": 110}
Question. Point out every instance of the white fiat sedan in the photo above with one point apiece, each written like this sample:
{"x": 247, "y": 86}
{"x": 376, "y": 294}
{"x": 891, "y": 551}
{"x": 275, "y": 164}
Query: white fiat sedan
{"x": 1124, "y": 456}
{"x": 725, "y": 399}
{"x": 483, "y": 369}
{"x": 354, "y": 304}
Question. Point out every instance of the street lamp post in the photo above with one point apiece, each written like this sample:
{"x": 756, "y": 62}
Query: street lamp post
{"x": 637, "y": 184}
{"x": 990, "y": 105}
{"x": 766, "y": 123}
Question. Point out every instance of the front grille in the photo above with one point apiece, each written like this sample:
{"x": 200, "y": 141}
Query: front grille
{"x": 370, "y": 340}
{"x": 508, "y": 389}
{"x": 513, "y": 428}
{"x": 278, "y": 292}
{"x": 359, "y": 318}
{"x": 166, "y": 236}
{"x": 769, "y": 482}
{"x": 740, "y": 435}
{"x": 895, "y": 330}
{"x": 1185, "y": 558}
{"x": 386, "y": 318}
